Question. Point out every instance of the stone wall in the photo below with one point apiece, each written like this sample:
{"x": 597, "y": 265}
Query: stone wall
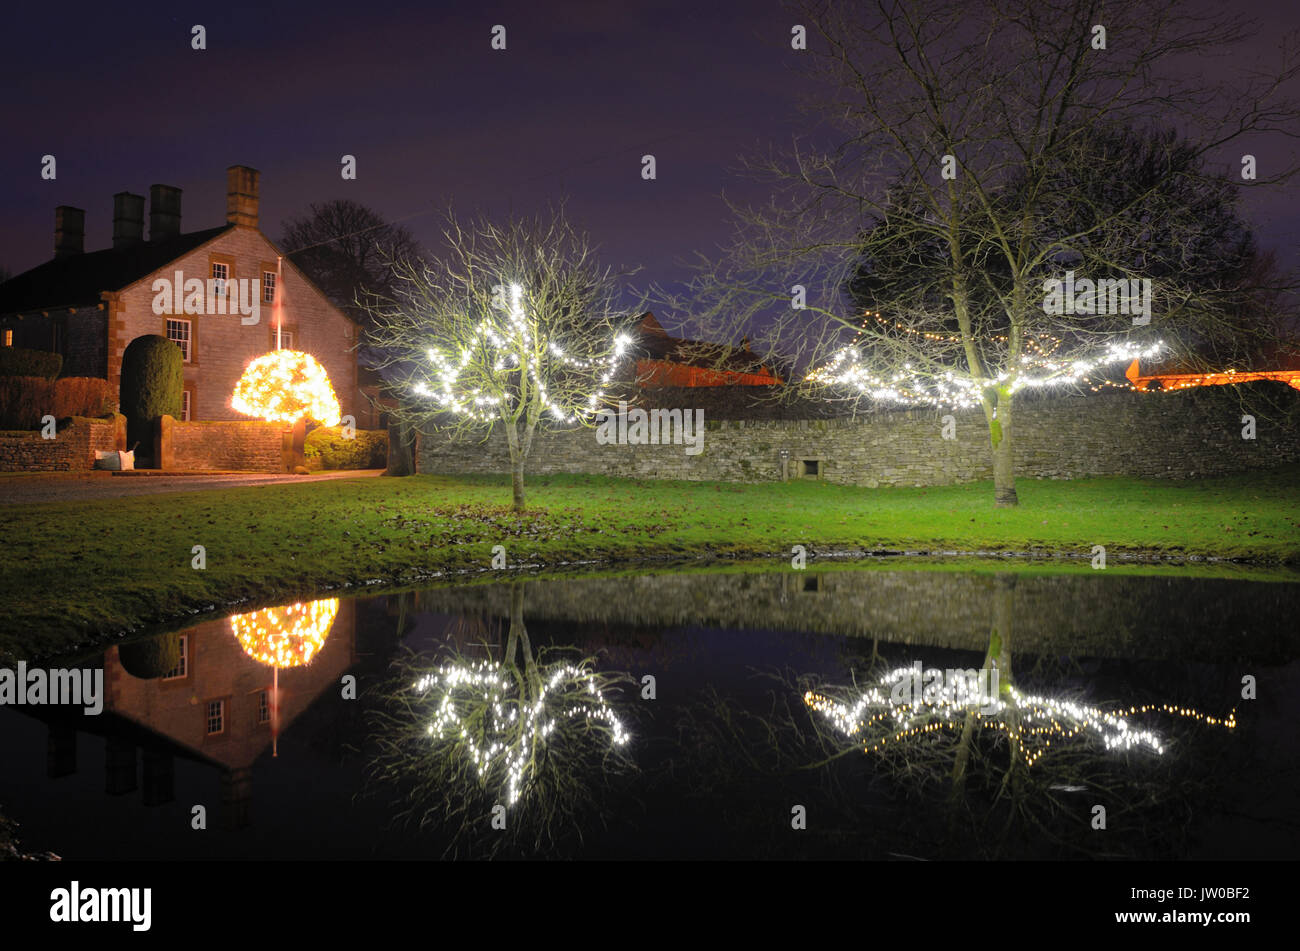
{"x": 1178, "y": 435}
{"x": 72, "y": 449}
{"x": 250, "y": 445}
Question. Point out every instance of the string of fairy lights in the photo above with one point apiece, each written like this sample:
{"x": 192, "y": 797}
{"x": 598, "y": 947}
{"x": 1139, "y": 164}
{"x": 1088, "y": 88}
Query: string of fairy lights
{"x": 1038, "y": 367}
{"x": 1032, "y": 720}
{"x": 502, "y": 342}
{"x": 512, "y": 727}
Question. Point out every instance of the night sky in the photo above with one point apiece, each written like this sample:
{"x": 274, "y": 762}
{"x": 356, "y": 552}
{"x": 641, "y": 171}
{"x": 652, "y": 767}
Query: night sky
{"x": 431, "y": 112}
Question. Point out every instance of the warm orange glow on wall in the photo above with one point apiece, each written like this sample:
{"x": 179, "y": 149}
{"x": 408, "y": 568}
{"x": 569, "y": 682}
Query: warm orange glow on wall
{"x": 287, "y": 636}
{"x": 667, "y": 373}
{"x": 1181, "y": 381}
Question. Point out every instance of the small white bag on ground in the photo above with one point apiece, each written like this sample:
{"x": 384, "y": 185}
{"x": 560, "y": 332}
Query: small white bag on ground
{"x": 114, "y": 459}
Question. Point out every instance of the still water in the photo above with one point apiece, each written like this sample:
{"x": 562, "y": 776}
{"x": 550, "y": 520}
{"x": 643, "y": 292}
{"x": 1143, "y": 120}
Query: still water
{"x": 692, "y": 715}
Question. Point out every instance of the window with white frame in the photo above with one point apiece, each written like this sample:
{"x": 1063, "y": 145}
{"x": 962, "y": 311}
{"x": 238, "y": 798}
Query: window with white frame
{"x": 286, "y": 339}
{"x": 268, "y": 287}
{"x": 216, "y": 716}
{"x": 220, "y": 275}
{"x": 178, "y": 331}
{"x": 186, "y": 411}
{"x": 182, "y": 665}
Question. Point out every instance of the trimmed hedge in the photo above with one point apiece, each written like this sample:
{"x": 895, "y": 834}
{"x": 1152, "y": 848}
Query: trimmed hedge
{"x": 153, "y": 379}
{"x": 325, "y": 448}
{"x": 151, "y": 658}
{"x": 25, "y": 399}
{"x": 17, "y": 361}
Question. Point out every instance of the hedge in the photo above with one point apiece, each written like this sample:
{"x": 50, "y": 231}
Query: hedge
{"x": 17, "y": 361}
{"x": 153, "y": 379}
{"x": 325, "y": 448}
{"x": 24, "y": 400}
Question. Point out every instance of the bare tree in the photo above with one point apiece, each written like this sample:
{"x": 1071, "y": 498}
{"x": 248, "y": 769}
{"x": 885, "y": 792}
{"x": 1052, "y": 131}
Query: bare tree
{"x": 974, "y": 164}
{"x": 516, "y": 322}
{"x": 344, "y": 247}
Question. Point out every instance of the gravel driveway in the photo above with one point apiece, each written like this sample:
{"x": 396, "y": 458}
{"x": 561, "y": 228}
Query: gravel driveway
{"x": 28, "y": 487}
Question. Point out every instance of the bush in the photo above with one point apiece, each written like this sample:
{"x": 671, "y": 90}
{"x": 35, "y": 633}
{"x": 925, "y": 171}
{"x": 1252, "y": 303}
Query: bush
{"x": 83, "y": 396}
{"x": 153, "y": 379}
{"x": 325, "y": 448}
{"x": 17, "y": 361}
{"x": 152, "y": 657}
{"x": 25, "y": 399}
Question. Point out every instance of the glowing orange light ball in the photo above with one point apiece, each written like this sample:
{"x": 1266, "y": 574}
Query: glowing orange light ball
{"x": 284, "y": 386}
{"x": 287, "y": 636}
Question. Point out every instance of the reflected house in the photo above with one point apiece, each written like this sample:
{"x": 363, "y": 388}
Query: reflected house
{"x": 226, "y": 700}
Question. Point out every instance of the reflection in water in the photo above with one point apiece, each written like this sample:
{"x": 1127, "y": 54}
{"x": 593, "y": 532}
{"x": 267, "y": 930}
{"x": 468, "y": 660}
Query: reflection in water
{"x": 463, "y": 736}
{"x": 287, "y": 636}
{"x": 950, "y": 772}
{"x": 491, "y": 729}
{"x": 1030, "y": 722}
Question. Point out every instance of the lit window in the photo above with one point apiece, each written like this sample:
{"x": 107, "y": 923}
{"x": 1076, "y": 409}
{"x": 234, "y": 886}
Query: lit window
{"x": 182, "y": 667}
{"x": 220, "y": 274}
{"x": 268, "y": 287}
{"x": 216, "y": 716}
{"x": 9, "y": 338}
{"x": 178, "y": 331}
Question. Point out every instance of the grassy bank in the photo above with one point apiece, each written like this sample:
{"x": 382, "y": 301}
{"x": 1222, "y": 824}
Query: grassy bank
{"x": 75, "y": 570}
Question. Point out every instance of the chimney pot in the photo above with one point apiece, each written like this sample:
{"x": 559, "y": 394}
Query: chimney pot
{"x": 69, "y": 231}
{"x": 128, "y": 220}
{"x": 164, "y": 212}
{"x": 241, "y": 195}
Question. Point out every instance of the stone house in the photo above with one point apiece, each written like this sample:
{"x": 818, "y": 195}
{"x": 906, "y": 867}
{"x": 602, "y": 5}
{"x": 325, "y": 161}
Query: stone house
{"x": 89, "y": 306}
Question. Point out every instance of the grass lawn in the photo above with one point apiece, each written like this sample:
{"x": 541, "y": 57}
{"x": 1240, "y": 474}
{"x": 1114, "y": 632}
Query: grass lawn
{"x": 76, "y": 570}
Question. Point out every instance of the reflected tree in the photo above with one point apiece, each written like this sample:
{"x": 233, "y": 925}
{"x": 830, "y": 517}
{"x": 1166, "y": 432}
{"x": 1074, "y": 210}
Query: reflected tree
{"x": 515, "y": 736}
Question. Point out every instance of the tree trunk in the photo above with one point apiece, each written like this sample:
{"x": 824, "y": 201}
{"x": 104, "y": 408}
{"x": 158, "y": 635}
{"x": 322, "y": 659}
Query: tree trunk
{"x": 1004, "y": 473}
{"x": 517, "y": 483}
{"x": 401, "y": 457}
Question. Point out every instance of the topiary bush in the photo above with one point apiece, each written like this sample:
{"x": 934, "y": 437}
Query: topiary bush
{"x": 325, "y": 448}
{"x": 152, "y": 657}
{"x": 17, "y": 361}
{"x": 153, "y": 378}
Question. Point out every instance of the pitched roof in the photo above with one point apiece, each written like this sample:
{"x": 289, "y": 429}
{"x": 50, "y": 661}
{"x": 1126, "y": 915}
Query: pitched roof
{"x": 655, "y": 343}
{"x": 78, "y": 279}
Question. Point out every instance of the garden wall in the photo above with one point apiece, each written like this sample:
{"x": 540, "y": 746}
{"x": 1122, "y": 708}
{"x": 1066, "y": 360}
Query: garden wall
{"x": 1178, "y": 435}
{"x": 249, "y": 445}
{"x": 72, "y": 449}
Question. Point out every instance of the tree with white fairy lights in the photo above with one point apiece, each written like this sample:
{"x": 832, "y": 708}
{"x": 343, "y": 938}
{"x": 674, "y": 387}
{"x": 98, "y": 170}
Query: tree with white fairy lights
{"x": 976, "y": 152}
{"x": 514, "y": 325}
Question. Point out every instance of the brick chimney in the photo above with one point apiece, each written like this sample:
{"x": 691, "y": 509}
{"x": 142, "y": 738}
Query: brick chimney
{"x": 241, "y": 195}
{"x": 128, "y": 220}
{"x": 164, "y": 212}
{"x": 69, "y": 231}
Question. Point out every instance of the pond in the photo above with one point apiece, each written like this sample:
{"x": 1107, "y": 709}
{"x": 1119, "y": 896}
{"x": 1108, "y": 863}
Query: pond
{"x": 861, "y": 711}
